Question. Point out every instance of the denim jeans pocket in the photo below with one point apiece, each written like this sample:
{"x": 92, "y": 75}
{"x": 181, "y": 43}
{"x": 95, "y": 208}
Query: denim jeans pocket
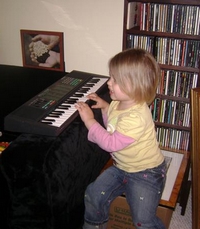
{"x": 157, "y": 175}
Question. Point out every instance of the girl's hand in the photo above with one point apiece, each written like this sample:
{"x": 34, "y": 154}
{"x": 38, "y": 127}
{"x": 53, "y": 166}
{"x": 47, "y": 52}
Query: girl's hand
{"x": 86, "y": 114}
{"x": 100, "y": 103}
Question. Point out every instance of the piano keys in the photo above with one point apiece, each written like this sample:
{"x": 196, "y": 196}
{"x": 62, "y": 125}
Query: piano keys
{"x": 52, "y": 110}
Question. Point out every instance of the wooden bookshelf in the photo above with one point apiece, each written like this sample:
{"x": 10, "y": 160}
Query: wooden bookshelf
{"x": 170, "y": 30}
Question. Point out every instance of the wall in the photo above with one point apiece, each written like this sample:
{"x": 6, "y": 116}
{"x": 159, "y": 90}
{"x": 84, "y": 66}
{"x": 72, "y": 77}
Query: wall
{"x": 92, "y": 30}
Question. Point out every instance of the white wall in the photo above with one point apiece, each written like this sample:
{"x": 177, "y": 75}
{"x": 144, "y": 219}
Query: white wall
{"x": 92, "y": 30}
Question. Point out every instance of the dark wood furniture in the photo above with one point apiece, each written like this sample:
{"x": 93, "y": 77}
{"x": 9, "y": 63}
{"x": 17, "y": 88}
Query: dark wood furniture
{"x": 195, "y": 157}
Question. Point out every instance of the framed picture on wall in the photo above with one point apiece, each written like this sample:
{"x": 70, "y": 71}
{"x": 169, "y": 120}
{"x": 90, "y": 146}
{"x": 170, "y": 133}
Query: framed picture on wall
{"x": 42, "y": 49}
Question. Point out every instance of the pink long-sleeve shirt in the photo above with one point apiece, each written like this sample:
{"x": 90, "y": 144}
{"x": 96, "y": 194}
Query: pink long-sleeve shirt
{"x": 130, "y": 137}
{"x": 110, "y": 142}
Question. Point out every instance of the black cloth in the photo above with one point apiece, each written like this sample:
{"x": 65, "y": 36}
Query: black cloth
{"x": 45, "y": 178}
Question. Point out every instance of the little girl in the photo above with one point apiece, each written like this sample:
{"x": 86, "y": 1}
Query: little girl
{"x": 139, "y": 168}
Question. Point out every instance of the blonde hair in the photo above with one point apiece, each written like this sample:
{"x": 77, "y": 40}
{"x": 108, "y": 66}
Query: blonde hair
{"x": 137, "y": 73}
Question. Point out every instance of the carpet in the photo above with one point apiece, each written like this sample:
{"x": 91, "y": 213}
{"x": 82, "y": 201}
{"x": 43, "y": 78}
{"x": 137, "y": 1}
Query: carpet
{"x": 182, "y": 221}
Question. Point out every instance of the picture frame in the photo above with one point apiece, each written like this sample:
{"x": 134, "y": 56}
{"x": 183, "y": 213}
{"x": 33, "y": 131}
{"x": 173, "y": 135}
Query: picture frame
{"x": 42, "y": 49}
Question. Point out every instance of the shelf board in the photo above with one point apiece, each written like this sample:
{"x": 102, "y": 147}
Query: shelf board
{"x": 179, "y": 68}
{"x": 136, "y": 31}
{"x": 167, "y": 125}
{"x": 183, "y": 2}
{"x": 174, "y": 98}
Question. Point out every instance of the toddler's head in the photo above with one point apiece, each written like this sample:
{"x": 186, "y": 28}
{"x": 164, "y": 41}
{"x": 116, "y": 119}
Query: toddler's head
{"x": 137, "y": 73}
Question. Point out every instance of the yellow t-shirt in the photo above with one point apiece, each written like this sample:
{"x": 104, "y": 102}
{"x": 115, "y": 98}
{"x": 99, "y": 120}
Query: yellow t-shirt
{"x": 135, "y": 122}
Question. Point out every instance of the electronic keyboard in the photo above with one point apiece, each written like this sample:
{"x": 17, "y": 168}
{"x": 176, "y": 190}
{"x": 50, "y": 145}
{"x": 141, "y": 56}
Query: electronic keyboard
{"x": 52, "y": 110}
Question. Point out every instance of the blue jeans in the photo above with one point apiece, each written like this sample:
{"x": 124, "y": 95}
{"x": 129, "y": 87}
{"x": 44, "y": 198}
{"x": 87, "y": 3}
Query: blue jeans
{"x": 143, "y": 191}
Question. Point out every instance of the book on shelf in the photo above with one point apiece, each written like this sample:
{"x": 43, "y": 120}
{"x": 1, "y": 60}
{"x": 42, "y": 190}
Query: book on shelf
{"x": 168, "y": 51}
{"x": 171, "y": 112}
{"x": 173, "y": 138}
{"x": 155, "y": 108}
{"x": 171, "y": 18}
{"x": 144, "y": 42}
{"x": 133, "y": 14}
{"x": 177, "y": 83}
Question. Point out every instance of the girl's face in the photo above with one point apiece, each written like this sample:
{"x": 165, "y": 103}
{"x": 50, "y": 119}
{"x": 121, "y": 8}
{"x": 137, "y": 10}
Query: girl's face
{"x": 115, "y": 91}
